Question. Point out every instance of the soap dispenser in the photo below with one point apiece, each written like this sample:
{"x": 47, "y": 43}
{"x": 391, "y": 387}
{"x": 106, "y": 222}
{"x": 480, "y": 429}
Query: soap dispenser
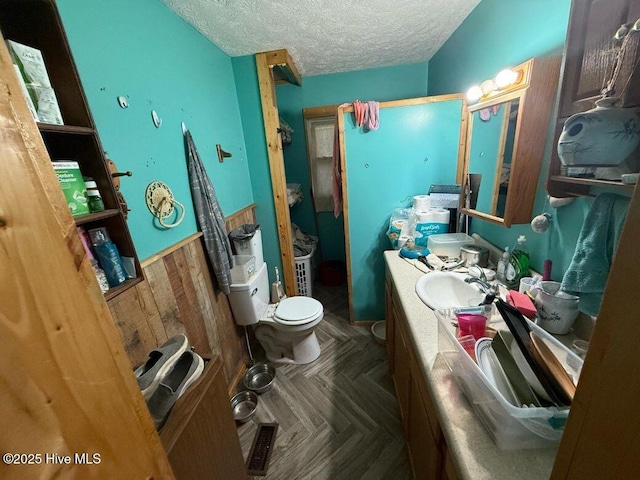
{"x": 502, "y": 266}
{"x": 518, "y": 266}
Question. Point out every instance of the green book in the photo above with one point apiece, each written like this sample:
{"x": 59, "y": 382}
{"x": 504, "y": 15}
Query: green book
{"x": 73, "y": 186}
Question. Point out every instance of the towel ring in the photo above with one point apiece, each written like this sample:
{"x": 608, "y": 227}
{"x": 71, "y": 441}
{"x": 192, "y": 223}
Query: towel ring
{"x": 161, "y": 203}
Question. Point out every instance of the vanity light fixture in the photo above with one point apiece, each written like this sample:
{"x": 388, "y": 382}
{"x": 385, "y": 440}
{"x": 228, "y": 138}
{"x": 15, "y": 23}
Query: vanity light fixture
{"x": 474, "y": 94}
{"x": 506, "y": 77}
{"x": 503, "y": 81}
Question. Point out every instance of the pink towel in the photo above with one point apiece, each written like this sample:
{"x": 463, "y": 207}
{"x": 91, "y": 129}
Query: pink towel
{"x": 372, "y": 115}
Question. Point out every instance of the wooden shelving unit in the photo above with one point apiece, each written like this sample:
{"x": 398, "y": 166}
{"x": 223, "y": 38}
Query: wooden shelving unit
{"x": 588, "y": 62}
{"x": 37, "y": 23}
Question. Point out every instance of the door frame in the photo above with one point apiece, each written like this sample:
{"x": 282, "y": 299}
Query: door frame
{"x": 275, "y": 67}
{"x": 343, "y": 170}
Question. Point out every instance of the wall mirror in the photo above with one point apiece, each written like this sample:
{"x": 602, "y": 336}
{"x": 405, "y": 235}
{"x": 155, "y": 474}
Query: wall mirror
{"x": 506, "y": 137}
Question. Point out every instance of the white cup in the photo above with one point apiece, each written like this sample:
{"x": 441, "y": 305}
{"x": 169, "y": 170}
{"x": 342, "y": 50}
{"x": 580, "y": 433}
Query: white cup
{"x": 527, "y": 283}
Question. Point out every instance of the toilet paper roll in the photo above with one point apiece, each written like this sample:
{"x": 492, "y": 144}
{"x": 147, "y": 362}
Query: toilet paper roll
{"x": 430, "y": 222}
{"x": 433, "y": 215}
{"x": 421, "y": 202}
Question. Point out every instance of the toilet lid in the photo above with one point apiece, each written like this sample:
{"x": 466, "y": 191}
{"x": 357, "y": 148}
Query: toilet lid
{"x": 297, "y": 310}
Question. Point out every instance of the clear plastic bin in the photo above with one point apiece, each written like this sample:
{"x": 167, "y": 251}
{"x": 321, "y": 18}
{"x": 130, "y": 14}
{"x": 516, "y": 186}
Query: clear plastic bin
{"x": 511, "y": 427}
{"x": 448, "y": 244}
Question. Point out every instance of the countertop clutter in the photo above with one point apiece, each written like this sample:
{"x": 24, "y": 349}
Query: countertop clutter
{"x": 473, "y": 452}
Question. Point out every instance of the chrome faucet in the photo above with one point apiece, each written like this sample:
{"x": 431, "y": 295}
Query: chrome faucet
{"x": 485, "y": 286}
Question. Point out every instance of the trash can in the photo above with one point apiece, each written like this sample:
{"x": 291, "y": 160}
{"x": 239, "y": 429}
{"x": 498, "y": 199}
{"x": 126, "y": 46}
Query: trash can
{"x": 247, "y": 240}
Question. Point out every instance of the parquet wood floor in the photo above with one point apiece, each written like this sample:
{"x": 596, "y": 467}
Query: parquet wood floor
{"x": 338, "y": 416}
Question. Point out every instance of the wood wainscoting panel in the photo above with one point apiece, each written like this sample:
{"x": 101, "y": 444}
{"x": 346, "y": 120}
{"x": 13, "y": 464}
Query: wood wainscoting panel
{"x": 246, "y": 215}
{"x": 180, "y": 295}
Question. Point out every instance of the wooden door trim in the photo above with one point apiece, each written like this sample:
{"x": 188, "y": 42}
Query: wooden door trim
{"x": 277, "y": 170}
{"x": 343, "y": 170}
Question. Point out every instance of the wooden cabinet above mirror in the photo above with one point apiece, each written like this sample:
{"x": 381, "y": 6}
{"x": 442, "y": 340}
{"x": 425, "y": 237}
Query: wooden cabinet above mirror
{"x": 590, "y": 55}
{"x": 506, "y": 138}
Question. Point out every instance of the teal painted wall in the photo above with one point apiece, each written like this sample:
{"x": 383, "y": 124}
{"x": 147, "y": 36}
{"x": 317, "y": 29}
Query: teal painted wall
{"x": 498, "y": 34}
{"x": 415, "y": 146}
{"x": 143, "y": 51}
{"x": 245, "y": 73}
{"x": 380, "y": 84}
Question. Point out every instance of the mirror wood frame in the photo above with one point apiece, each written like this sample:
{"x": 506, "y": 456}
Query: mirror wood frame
{"x": 536, "y": 92}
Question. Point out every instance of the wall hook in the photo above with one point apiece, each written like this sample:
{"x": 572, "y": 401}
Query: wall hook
{"x": 221, "y": 153}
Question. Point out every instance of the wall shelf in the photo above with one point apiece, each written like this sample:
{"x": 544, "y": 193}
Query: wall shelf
{"x": 112, "y": 292}
{"x": 588, "y": 59}
{"x": 94, "y": 217}
{"x": 37, "y": 23}
{"x": 70, "y": 129}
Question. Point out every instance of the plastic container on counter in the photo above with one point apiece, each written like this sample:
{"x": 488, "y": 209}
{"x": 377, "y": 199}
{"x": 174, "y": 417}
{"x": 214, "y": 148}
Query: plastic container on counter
{"x": 448, "y": 244}
{"x": 511, "y": 427}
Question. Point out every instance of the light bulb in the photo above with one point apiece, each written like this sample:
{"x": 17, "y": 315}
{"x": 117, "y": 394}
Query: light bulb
{"x": 505, "y": 78}
{"x": 487, "y": 87}
{"x": 474, "y": 93}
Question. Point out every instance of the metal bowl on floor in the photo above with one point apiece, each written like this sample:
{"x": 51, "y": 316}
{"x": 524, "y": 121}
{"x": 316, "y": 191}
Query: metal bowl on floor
{"x": 259, "y": 377}
{"x": 379, "y": 332}
{"x": 244, "y": 405}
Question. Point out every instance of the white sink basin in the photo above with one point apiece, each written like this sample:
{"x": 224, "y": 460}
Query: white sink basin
{"x": 447, "y": 290}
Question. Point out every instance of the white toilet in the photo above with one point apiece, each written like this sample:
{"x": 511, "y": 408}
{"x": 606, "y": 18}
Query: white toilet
{"x": 284, "y": 329}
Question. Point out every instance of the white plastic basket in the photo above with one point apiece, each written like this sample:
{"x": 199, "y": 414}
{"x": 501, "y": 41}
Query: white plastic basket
{"x": 304, "y": 274}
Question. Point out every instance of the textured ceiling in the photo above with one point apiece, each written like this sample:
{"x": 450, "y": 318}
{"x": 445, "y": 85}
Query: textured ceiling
{"x": 327, "y": 36}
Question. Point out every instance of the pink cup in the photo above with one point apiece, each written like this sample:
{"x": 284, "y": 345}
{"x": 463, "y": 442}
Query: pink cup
{"x": 472, "y": 324}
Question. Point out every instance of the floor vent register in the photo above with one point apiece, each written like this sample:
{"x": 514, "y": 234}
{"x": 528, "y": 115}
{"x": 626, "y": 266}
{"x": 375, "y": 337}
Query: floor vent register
{"x": 258, "y": 461}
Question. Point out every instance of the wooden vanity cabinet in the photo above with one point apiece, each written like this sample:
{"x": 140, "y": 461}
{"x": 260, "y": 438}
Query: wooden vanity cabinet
{"x": 425, "y": 441}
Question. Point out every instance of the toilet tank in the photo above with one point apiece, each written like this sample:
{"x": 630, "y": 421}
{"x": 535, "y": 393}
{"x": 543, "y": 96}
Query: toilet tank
{"x": 249, "y": 300}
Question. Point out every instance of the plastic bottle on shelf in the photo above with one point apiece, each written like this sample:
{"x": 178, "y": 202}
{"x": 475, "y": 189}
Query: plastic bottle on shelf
{"x": 101, "y": 277}
{"x": 108, "y": 256}
{"x": 501, "y": 270}
{"x": 518, "y": 265}
{"x": 94, "y": 198}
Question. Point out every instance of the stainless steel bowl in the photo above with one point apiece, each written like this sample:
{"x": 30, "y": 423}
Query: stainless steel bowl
{"x": 259, "y": 377}
{"x": 244, "y": 405}
{"x": 474, "y": 255}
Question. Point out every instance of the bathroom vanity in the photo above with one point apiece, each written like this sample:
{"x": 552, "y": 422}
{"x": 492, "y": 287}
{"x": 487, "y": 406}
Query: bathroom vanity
{"x": 445, "y": 438}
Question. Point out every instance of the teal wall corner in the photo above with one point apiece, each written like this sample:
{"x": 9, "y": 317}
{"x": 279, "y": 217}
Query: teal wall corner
{"x": 145, "y": 52}
{"x": 496, "y": 35}
{"x": 379, "y": 84}
{"x": 415, "y": 146}
{"x": 246, "y": 78}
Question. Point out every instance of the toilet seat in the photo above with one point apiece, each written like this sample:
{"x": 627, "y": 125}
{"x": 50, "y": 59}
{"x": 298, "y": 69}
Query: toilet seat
{"x": 297, "y": 311}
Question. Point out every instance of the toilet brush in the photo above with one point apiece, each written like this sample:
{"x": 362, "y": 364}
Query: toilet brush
{"x": 277, "y": 293}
